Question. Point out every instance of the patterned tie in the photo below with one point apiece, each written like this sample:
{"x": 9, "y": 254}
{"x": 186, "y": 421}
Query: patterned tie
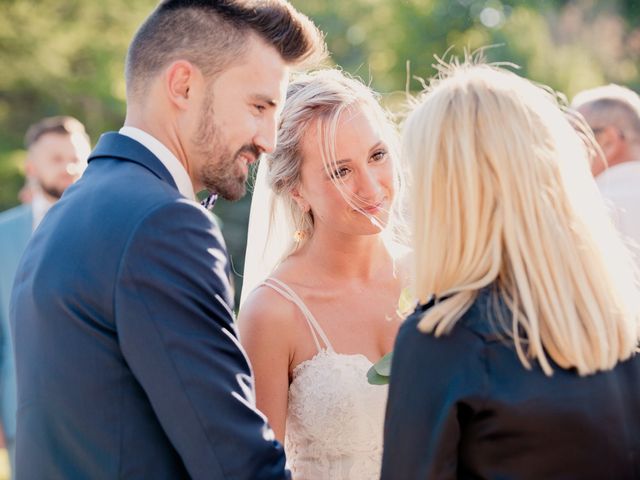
{"x": 210, "y": 201}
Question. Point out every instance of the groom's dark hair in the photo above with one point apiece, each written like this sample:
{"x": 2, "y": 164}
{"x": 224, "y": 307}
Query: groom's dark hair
{"x": 212, "y": 34}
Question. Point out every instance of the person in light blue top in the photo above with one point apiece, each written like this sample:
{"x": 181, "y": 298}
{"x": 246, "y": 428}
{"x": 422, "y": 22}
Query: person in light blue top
{"x": 57, "y": 151}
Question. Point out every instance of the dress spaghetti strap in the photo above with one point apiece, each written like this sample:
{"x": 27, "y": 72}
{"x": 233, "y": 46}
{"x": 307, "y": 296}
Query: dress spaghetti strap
{"x": 286, "y": 291}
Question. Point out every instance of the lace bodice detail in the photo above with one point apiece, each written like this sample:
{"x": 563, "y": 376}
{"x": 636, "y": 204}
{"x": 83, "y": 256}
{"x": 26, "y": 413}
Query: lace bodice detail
{"x": 335, "y": 418}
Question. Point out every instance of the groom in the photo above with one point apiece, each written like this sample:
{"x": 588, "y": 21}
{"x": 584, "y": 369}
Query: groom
{"x": 127, "y": 358}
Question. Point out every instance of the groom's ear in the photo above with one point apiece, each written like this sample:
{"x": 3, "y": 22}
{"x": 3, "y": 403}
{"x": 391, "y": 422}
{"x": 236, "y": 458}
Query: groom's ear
{"x": 180, "y": 79}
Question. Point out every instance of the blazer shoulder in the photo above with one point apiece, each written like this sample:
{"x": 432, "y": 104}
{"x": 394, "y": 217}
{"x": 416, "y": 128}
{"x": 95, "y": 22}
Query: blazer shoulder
{"x": 485, "y": 318}
{"x": 488, "y": 317}
{"x": 179, "y": 217}
{"x": 127, "y": 193}
{"x": 181, "y": 233}
{"x": 481, "y": 324}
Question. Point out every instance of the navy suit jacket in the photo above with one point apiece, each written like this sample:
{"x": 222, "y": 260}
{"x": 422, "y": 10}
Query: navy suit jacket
{"x": 127, "y": 357}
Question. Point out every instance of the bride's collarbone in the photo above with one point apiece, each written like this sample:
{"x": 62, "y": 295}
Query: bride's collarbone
{"x": 351, "y": 303}
{"x": 350, "y": 331}
{"x": 311, "y": 288}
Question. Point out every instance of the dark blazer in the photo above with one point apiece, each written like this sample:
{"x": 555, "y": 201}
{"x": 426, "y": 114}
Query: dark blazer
{"x": 127, "y": 357}
{"x": 463, "y": 406}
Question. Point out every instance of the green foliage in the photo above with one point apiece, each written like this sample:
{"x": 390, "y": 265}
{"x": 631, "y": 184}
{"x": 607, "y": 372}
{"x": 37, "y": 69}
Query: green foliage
{"x": 61, "y": 58}
{"x": 569, "y": 45}
{"x": 380, "y": 372}
{"x": 67, "y": 57}
{"x": 11, "y": 176}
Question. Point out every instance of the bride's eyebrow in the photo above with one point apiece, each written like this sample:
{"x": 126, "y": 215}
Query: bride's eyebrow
{"x": 342, "y": 161}
{"x": 378, "y": 144}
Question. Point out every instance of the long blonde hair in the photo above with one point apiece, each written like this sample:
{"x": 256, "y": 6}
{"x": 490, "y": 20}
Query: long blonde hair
{"x": 501, "y": 194}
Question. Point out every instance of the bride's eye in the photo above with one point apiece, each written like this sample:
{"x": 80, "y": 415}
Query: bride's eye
{"x": 379, "y": 156}
{"x": 340, "y": 172}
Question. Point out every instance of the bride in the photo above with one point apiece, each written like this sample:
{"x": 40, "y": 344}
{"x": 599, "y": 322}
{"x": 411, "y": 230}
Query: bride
{"x": 323, "y": 276}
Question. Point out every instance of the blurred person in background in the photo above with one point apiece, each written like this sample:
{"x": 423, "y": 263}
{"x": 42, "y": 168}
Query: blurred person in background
{"x": 520, "y": 360}
{"x": 57, "y": 151}
{"x": 613, "y": 113}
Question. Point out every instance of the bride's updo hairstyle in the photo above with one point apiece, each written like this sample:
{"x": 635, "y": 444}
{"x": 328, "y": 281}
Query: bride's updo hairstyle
{"x": 313, "y": 106}
{"x": 501, "y": 195}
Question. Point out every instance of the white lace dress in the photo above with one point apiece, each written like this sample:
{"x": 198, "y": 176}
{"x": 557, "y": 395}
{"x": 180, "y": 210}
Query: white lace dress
{"x": 335, "y": 417}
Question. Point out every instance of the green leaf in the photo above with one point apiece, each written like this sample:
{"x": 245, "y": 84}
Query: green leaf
{"x": 383, "y": 366}
{"x": 376, "y": 379}
{"x": 380, "y": 372}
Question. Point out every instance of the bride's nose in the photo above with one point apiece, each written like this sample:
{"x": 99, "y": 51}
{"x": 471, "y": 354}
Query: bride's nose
{"x": 369, "y": 187}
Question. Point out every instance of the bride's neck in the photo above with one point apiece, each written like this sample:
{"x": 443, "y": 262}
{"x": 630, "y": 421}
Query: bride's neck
{"x": 346, "y": 255}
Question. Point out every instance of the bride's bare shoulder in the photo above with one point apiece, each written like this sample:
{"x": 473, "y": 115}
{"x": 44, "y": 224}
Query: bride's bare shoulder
{"x": 269, "y": 305}
{"x": 265, "y": 323}
{"x": 264, "y": 301}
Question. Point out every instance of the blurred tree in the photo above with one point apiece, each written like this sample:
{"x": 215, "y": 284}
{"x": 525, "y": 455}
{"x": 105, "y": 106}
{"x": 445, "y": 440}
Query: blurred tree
{"x": 60, "y": 58}
{"x": 68, "y": 57}
{"x": 569, "y": 45}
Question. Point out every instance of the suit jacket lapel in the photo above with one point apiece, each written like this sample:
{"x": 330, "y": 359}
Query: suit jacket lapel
{"x": 121, "y": 147}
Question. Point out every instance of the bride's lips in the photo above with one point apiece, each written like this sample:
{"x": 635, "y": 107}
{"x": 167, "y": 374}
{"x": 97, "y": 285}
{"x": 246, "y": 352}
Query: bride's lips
{"x": 373, "y": 208}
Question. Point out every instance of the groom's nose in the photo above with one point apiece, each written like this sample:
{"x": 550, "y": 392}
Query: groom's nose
{"x": 266, "y": 134}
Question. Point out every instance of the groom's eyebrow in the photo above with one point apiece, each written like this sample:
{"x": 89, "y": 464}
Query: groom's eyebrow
{"x": 265, "y": 99}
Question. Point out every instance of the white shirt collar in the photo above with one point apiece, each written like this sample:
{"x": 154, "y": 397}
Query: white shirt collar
{"x": 168, "y": 159}
{"x": 40, "y": 205}
{"x": 620, "y": 170}
{"x": 621, "y": 179}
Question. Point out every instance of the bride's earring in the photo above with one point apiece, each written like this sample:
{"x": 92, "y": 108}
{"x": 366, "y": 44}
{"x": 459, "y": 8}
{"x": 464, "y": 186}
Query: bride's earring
{"x": 301, "y": 233}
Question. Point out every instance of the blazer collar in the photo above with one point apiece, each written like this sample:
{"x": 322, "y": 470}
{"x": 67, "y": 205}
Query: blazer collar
{"x": 121, "y": 147}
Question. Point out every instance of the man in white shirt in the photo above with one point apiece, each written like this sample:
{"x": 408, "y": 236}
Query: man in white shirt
{"x": 613, "y": 113}
{"x": 57, "y": 151}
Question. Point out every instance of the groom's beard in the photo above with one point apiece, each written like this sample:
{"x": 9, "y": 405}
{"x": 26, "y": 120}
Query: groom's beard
{"x": 222, "y": 170}
{"x": 225, "y": 174}
{"x": 52, "y": 191}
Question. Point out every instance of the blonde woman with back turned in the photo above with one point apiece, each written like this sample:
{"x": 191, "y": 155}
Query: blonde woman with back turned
{"x": 519, "y": 361}
{"x": 317, "y": 314}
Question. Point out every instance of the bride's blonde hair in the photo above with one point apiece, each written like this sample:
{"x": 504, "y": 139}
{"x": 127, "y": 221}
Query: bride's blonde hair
{"x": 318, "y": 99}
{"x": 314, "y": 105}
{"x": 501, "y": 194}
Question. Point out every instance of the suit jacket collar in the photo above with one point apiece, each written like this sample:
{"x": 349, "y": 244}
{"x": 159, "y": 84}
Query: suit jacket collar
{"x": 121, "y": 147}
